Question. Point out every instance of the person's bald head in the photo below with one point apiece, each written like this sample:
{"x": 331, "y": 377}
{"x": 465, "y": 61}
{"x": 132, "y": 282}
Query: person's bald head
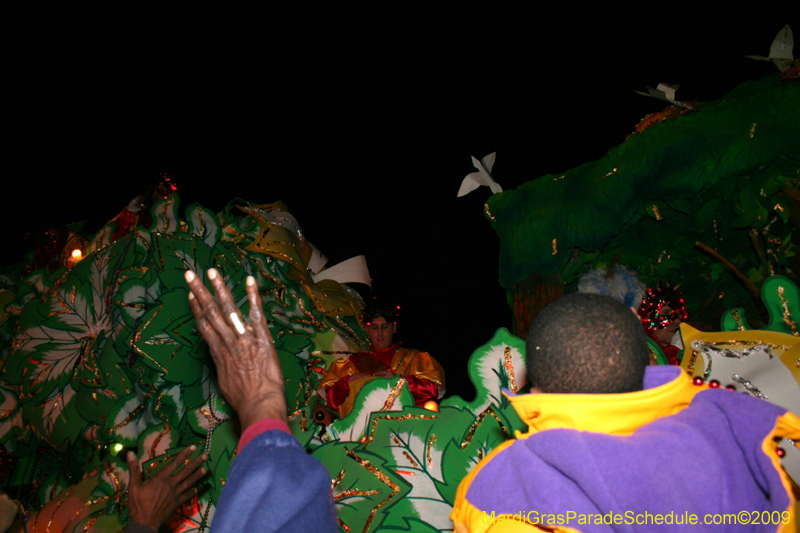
{"x": 586, "y": 343}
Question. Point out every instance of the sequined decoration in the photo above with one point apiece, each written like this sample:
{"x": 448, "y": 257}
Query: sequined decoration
{"x": 489, "y": 213}
{"x": 738, "y": 320}
{"x": 778, "y": 207}
{"x": 709, "y": 349}
{"x": 431, "y": 441}
{"x": 512, "y": 380}
{"x": 555, "y": 246}
{"x": 753, "y": 130}
{"x": 478, "y": 420}
{"x": 787, "y": 316}
{"x": 610, "y": 173}
{"x": 656, "y": 212}
{"x": 752, "y": 389}
{"x": 393, "y": 394}
{"x": 383, "y": 478}
{"x": 716, "y": 231}
{"x": 377, "y": 419}
{"x": 561, "y": 177}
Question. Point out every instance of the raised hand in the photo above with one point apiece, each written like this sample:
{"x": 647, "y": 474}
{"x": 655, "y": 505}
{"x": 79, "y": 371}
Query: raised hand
{"x": 152, "y": 502}
{"x": 248, "y": 371}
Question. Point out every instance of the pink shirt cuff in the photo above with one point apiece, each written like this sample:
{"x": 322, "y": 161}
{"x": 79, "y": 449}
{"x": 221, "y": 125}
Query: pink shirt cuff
{"x": 254, "y": 430}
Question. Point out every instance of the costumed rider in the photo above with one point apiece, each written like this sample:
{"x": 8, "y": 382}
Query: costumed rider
{"x": 347, "y": 375}
{"x": 661, "y": 312}
{"x": 608, "y": 445}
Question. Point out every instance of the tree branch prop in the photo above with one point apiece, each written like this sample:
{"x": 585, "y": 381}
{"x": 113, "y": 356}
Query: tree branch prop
{"x": 747, "y": 283}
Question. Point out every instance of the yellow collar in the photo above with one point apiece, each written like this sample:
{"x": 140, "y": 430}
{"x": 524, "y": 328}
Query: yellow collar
{"x": 615, "y": 414}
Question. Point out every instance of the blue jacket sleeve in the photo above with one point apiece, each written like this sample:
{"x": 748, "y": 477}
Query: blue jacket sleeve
{"x": 275, "y": 486}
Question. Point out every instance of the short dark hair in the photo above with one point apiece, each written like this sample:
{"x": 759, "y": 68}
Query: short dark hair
{"x": 380, "y": 307}
{"x": 586, "y": 343}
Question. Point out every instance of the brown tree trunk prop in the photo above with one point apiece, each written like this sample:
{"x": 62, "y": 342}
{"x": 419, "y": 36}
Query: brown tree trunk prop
{"x": 533, "y": 295}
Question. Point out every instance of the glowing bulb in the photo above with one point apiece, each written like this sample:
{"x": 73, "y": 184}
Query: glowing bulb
{"x": 115, "y": 448}
{"x": 77, "y": 254}
{"x": 431, "y": 405}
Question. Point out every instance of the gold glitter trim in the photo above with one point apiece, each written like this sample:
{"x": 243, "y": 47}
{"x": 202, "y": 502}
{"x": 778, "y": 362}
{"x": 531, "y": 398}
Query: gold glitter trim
{"x": 489, "y": 213}
{"x": 656, "y": 212}
{"x": 787, "y": 316}
{"x": 375, "y": 421}
{"x": 561, "y": 177}
{"x": 753, "y": 130}
{"x": 112, "y": 473}
{"x": 431, "y": 442}
{"x": 653, "y": 355}
{"x": 355, "y": 492}
{"x": 338, "y": 479}
{"x": 343, "y": 525}
{"x": 314, "y": 320}
{"x": 383, "y": 478}
{"x": 478, "y": 420}
{"x": 133, "y": 414}
{"x": 60, "y": 503}
{"x": 555, "y": 246}
{"x": 692, "y": 361}
{"x": 610, "y": 173}
{"x": 512, "y": 381}
{"x": 406, "y": 473}
{"x": 393, "y": 394}
{"x": 778, "y": 207}
{"x": 407, "y": 455}
{"x": 738, "y": 320}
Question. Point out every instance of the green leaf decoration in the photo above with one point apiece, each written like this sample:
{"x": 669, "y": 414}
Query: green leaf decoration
{"x": 497, "y": 365}
{"x": 734, "y": 319}
{"x": 203, "y": 223}
{"x": 378, "y": 395}
{"x": 364, "y": 489}
{"x": 782, "y": 300}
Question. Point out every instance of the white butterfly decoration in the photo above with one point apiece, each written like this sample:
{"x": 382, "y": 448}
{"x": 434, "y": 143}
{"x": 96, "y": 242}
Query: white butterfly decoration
{"x": 482, "y": 177}
{"x": 781, "y": 51}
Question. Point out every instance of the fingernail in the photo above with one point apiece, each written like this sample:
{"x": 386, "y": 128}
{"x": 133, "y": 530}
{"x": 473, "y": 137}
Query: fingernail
{"x": 193, "y": 447}
{"x": 204, "y": 457}
{"x": 212, "y": 273}
{"x": 191, "y": 295}
{"x": 189, "y": 275}
{"x": 131, "y": 456}
{"x": 250, "y": 281}
{"x": 203, "y": 471}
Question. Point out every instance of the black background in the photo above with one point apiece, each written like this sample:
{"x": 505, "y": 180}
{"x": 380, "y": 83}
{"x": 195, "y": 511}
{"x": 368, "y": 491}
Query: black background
{"x": 360, "y": 116}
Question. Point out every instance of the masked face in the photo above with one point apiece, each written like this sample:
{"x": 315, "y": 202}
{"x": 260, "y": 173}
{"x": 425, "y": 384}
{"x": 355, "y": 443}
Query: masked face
{"x": 671, "y": 320}
{"x": 381, "y": 333}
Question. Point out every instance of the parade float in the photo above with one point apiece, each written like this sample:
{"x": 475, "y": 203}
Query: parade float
{"x": 100, "y": 357}
{"x": 99, "y": 354}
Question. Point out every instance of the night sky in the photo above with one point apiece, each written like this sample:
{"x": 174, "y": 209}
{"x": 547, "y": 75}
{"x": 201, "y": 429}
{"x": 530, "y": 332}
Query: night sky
{"x": 360, "y": 116}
